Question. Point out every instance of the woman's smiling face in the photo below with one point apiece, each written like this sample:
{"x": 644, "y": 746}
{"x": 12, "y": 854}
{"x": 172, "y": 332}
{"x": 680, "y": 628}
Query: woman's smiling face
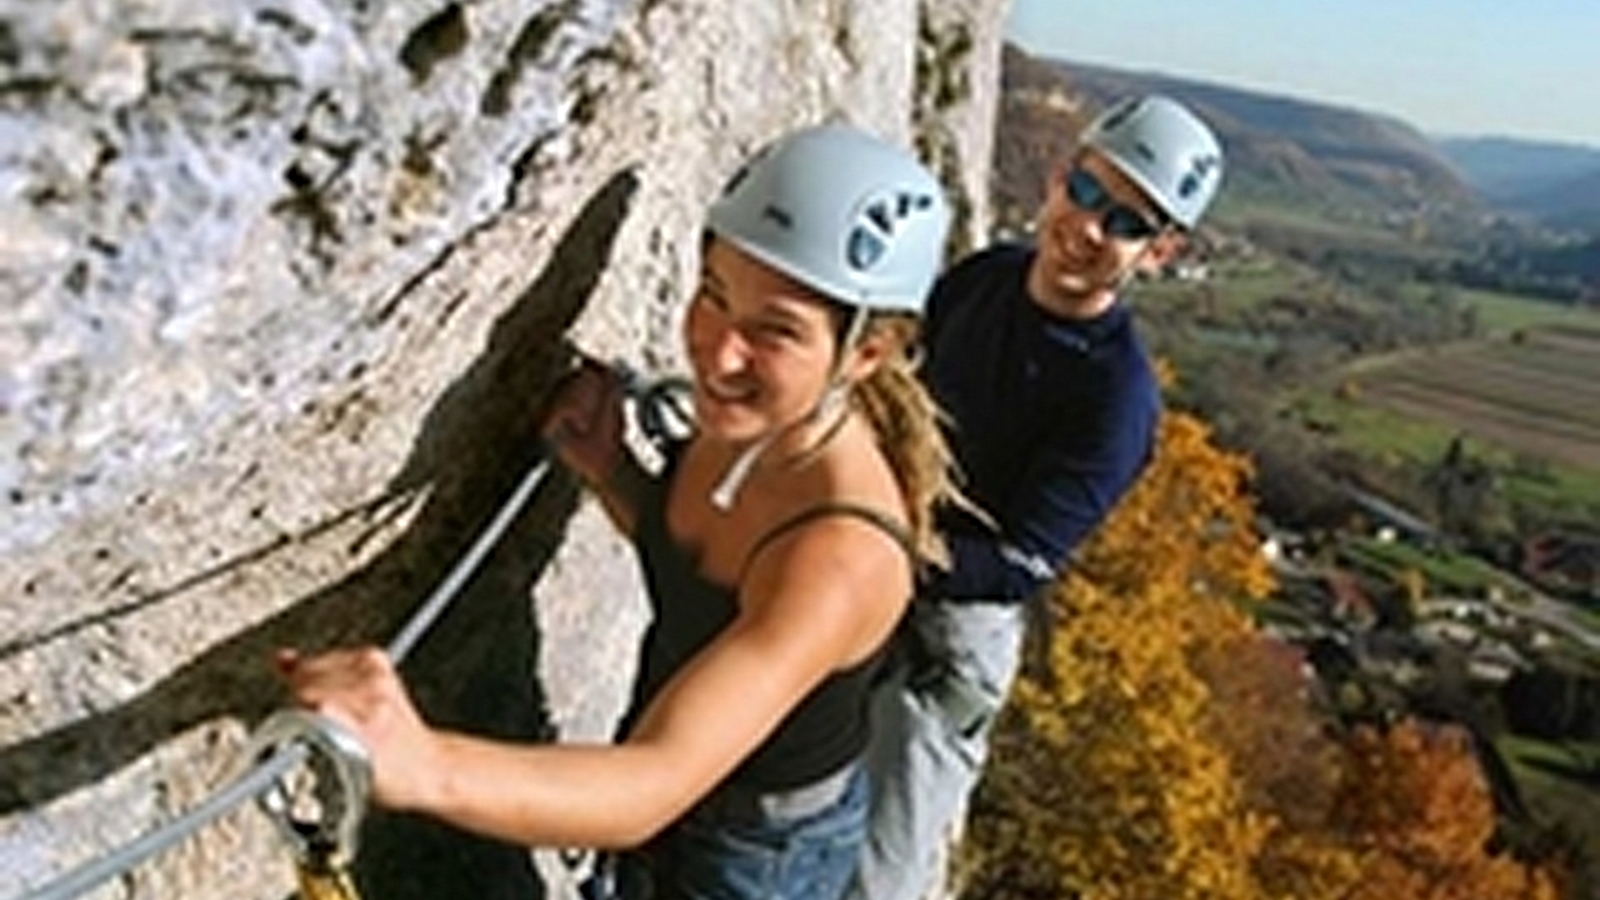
{"x": 762, "y": 346}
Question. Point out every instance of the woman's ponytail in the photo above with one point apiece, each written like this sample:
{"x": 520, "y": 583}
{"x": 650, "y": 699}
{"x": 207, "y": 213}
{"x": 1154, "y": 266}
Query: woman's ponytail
{"x": 907, "y": 422}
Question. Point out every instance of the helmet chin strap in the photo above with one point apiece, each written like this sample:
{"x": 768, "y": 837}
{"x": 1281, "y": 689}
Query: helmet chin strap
{"x": 727, "y": 489}
{"x": 832, "y": 402}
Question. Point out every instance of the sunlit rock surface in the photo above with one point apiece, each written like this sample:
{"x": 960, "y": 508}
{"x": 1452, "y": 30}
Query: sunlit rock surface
{"x": 281, "y": 285}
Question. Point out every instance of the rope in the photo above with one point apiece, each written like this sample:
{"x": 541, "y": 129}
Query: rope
{"x": 267, "y": 772}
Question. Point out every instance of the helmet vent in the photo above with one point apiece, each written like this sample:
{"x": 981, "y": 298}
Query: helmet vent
{"x": 778, "y": 216}
{"x": 736, "y": 179}
{"x": 1200, "y": 169}
{"x": 864, "y": 248}
{"x": 879, "y": 214}
{"x": 869, "y": 239}
{"x": 1117, "y": 116}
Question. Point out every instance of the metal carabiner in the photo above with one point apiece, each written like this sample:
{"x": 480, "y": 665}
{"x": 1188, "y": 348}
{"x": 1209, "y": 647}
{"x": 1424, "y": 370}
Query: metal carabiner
{"x": 661, "y": 405}
{"x": 323, "y": 826}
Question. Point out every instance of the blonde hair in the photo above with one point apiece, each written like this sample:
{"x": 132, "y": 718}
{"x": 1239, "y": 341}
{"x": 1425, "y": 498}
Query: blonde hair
{"x": 906, "y": 421}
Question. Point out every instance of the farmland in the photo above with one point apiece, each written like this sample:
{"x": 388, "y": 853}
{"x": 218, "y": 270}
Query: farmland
{"x": 1536, "y": 395}
{"x": 1381, "y": 379}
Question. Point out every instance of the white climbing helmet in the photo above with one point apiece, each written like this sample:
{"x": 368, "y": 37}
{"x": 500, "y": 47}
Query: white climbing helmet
{"x": 1165, "y": 149}
{"x": 842, "y": 212}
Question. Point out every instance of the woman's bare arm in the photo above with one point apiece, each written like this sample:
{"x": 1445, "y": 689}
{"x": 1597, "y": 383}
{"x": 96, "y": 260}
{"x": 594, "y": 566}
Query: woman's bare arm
{"x": 816, "y": 602}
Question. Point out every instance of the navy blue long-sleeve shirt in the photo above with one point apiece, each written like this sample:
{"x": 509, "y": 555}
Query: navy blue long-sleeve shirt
{"x": 1053, "y": 419}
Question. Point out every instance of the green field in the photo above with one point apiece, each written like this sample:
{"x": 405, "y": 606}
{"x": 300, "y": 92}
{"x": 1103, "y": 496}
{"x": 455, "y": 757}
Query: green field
{"x": 1401, "y": 439}
{"x": 1242, "y": 285}
{"x": 1527, "y": 395}
{"x": 1451, "y": 573}
{"x": 1538, "y": 396}
{"x": 1557, "y": 798}
{"x": 1525, "y": 391}
{"x": 1500, "y": 314}
{"x": 1394, "y": 438}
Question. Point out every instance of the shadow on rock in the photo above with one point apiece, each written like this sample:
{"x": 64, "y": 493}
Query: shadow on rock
{"x": 475, "y": 670}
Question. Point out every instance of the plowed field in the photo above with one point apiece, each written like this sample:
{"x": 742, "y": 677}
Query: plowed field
{"x": 1539, "y": 395}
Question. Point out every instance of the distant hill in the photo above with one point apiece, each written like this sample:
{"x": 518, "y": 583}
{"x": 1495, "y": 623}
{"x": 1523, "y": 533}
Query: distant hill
{"x": 1558, "y": 184}
{"x": 1503, "y": 168}
{"x": 1041, "y": 111}
{"x": 1280, "y": 151}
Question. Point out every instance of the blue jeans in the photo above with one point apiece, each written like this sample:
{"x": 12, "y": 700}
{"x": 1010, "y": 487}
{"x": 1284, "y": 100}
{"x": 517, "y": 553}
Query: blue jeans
{"x": 797, "y": 845}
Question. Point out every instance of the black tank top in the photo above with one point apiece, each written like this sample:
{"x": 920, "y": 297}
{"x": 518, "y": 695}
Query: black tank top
{"x": 829, "y": 726}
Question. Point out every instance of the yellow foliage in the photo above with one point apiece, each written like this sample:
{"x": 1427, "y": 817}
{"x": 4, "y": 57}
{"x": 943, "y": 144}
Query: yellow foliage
{"x": 1186, "y": 524}
{"x": 1111, "y": 786}
{"x": 1414, "y": 586}
{"x": 1113, "y": 779}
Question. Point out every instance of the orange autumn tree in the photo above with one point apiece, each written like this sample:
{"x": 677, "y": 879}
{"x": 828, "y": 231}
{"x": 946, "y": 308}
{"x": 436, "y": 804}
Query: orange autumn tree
{"x": 1289, "y": 770}
{"x": 1414, "y": 808}
{"x": 1106, "y": 786}
{"x": 1162, "y": 748}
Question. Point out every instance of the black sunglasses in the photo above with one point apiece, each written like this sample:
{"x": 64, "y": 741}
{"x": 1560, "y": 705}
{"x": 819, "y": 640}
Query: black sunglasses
{"x": 1117, "y": 220}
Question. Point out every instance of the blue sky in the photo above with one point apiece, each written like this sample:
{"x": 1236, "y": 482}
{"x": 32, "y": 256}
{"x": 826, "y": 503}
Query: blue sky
{"x": 1521, "y": 68}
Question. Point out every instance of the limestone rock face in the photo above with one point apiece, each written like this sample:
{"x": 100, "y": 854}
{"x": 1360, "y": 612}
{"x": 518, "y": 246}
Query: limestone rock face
{"x": 281, "y": 285}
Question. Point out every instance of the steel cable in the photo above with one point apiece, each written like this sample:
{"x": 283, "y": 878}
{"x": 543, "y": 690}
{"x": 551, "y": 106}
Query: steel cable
{"x": 267, "y": 772}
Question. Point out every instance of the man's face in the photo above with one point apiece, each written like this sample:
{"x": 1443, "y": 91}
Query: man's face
{"x": 1094, "y": 229}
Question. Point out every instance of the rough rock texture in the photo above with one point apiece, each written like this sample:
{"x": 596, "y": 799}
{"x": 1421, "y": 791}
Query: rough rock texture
{"x": 282, "y": 282}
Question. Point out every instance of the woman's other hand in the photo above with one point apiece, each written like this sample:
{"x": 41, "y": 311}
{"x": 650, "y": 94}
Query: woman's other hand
{"x": 584, "y": 422}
